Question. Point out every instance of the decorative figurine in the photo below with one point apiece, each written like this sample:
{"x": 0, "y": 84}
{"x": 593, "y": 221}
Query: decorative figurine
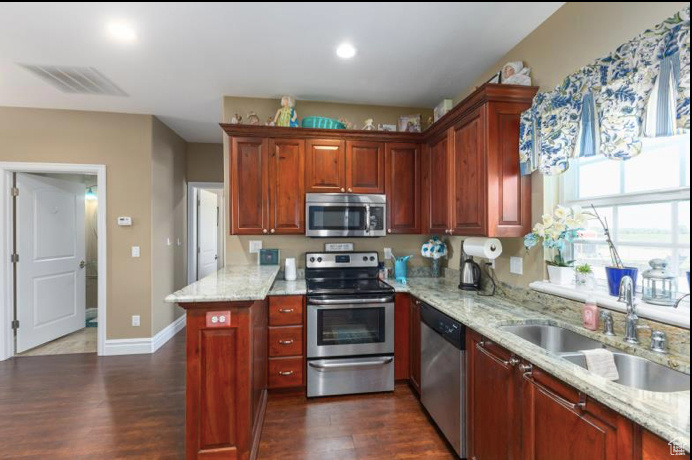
{"x": 369, "y": 125}
{"x": 514, "y": 73}
{"x": 237, "y": 119}
{"x": 286, "y": 115}
{"x": 253, "y": 119}
{"x": 347, "y": 123}
{"x": 270, "y": 121}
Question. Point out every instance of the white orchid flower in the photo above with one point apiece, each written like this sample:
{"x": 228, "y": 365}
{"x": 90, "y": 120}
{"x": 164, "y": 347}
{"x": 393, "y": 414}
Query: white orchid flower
{"x": 561, "y": 213}
{"x": 547, "y": 220}
{"x": 539, "y": 229}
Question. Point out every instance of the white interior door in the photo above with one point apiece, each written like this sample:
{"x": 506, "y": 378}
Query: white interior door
{"x": 51, "y": 279}
{"x": 207, "y": 233}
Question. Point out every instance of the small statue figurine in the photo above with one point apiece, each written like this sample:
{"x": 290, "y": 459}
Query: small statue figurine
{"x": 237, "y": 119}
{"x": 253, "y": 119}
{"x": 286, "y": 115}
{"x": 369, "y": 125}
{"x": 270, "y": 121}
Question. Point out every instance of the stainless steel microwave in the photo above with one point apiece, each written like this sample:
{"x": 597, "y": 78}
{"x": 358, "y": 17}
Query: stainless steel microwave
{"x": 330, "y": 215}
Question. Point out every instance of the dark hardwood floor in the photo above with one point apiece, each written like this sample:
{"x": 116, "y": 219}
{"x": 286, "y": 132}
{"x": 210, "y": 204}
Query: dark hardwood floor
{"x": 86, "y": 407}
{"x": 379, "y": 426}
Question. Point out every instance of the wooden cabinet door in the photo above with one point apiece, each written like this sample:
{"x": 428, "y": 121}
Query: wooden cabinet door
{"x": 414, "y": 351}
{"x": 249, "y": 186}
{"x": 559, "y": 422}
{"x": 365, "y": 167}
{"x": 287, "y": 186}
{"x": 469, "y": 175}
{"x": 509, "y": 193}
{"x": 402, "y": 328}
{"x": 656, "y": 448}
{"x": 493, "y": 411}
{"x": 437, "y": 193}
{"x": 325, "y": 166}
{"x": 402, "y": 183}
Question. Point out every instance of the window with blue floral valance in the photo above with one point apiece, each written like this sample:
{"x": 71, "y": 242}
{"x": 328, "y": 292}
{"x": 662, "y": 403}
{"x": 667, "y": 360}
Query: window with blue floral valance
{"x": 606, "y": 108}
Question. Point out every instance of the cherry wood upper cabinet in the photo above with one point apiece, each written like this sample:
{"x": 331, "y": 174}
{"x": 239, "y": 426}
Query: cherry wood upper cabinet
{"x": 436, "y": 196}
{"x": 325, "y": 166}
{"x": 286, "y": 186}
{"x": 469, "y": 205}
{"x": 559, "y": 422}
{"x": 402, "y": 183}
{"x": 249, "y": 186}
{"x": 494, "y": 423}
{"x": 365, "y": 164}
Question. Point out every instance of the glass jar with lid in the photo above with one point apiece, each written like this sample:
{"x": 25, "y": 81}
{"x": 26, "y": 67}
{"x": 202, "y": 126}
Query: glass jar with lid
{"x": 659, "y": 286}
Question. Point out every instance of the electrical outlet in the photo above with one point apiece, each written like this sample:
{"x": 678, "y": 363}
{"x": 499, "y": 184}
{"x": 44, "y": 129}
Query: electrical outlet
{"x": 255, "y": 246}
{"x": 388, "y": 253}
{"x": 169, "y": 242}
{"x": 516, "y": 265}
{"x": 135, "y": 320}
{"x": 135, "y": 251}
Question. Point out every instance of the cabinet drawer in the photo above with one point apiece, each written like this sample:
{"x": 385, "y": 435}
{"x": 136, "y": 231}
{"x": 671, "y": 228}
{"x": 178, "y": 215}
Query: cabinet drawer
{"x": 285, "y": 372}
{"x": 286, "y": 341}
{"x": 286, "y": 311}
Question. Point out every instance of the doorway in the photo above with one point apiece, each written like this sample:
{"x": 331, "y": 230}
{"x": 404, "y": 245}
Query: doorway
{"x": 205, "y": 229}
{"x": 53, "y": 234}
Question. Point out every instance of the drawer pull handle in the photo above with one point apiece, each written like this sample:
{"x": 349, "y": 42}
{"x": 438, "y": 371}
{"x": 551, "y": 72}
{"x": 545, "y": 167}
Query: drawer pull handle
{"x": 286, "y": 342}
{"x": 513, "y": 361}
{"x": 286, "y": 310}
{"x": 581, "y": 405}
{"x": 286, "y": 373}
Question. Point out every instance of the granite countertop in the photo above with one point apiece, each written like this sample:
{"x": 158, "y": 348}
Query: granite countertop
{"x": 230, "y": 284}
{"x": 666, "y": 414}
{"x": 282, "y": 287}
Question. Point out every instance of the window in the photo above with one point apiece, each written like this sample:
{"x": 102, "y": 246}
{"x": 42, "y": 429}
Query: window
{"x": 646, "y": 201}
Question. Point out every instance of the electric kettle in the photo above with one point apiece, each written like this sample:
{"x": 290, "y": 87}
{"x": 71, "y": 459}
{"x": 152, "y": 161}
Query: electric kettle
{"x": 470, "y": 275}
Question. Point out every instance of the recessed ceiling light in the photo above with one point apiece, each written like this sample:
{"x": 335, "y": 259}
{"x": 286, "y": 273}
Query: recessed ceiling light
{"x": 345, "y": 51}
{"x": 122, "y": 32}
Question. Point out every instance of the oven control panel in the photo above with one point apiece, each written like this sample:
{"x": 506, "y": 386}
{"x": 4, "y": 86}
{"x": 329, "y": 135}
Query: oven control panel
{"x": 341, "y": 259}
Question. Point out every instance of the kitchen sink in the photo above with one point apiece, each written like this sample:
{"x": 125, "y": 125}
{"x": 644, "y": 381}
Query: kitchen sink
{"x": 553, "y": 338}
{"x": 635, "y": 372}
{"x": 640, "y": 373}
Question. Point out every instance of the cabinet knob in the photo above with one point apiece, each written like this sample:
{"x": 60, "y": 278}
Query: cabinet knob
{"x": 389, "y": 230}
{"x": 343, "y": 189}
{"x": 273, "y": 230}
{"x": 264, "y": 230}
{"x": 350, "y": 189}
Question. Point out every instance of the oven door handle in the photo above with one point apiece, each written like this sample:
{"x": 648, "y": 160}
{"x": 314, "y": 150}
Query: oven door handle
{"x": 349, "y": 301}
{"x": 368, "y": 363}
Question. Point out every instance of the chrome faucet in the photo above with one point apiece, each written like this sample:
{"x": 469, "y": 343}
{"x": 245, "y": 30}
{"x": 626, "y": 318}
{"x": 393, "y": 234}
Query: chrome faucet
{"x": 631, "y": 320}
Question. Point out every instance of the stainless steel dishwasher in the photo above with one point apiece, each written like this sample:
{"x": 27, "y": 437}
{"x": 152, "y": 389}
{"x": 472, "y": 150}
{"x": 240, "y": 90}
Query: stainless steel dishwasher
{"x": 443, "y": 374}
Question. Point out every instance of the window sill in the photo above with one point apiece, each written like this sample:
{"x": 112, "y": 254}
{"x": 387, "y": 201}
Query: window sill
{"x": 679, "y": 317}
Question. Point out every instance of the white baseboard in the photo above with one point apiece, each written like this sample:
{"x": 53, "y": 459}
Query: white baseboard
{"x": 117, "y": 347}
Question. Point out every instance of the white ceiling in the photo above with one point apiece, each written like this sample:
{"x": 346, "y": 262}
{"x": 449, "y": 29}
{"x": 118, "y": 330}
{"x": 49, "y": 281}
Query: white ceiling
{"x": 188, "y": 55}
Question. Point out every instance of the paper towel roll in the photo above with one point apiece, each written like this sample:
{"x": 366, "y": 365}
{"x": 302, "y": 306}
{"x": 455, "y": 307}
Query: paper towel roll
{"x": 489, "y": 248}
{"x": 290, "y": 269}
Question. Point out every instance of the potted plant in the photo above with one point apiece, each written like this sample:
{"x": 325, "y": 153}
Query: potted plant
{"x": 584, "y": 276}
{"x": 617, "y": 270}
{"x": 434, "y": 249}
{"x": 555, "y": 232}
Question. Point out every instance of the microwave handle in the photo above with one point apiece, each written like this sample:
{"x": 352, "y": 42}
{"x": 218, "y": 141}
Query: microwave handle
{"x": 367, "y": 218}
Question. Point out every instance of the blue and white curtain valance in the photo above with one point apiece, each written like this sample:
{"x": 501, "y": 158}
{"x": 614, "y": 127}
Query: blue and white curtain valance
{"x": 606, "y": 108}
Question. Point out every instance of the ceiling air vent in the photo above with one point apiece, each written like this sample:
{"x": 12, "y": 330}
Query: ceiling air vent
{"x": 76, "y": 80}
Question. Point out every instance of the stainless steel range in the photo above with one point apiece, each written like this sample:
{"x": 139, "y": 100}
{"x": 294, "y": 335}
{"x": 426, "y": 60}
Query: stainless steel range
{"x": 350, "y": 325}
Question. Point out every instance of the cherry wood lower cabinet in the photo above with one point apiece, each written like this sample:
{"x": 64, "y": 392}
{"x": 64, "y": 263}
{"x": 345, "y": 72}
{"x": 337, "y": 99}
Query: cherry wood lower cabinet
{"x": 656, "y": 448}
{"x": 287, "y": 341}
{"x": 402, "y": 329}
{"x": 414, "y": 350}
{"x": 226, "y": 379}
{"x": 517, "y": 411}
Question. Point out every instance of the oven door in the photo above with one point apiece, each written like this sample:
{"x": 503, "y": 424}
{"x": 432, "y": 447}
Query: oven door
{"x": 345, "y": 220}
{"x": 350, "y": 327}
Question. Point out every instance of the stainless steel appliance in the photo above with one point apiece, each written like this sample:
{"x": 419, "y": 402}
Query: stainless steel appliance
{"x": 345, "y": 215}
{"x": 443, "y": 374}
{"x": 350, "y": 325}
{"x": 470, "y": 274}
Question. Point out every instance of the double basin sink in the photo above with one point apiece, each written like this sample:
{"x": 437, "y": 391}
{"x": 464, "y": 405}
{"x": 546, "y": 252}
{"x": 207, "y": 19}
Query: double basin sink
{"x": 634, "y": 371}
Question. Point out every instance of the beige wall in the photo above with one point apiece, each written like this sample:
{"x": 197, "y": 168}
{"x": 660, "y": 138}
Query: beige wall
{"x": 574, "y": 36}
{"x": 122, "y": 142}
{"x": 169, "y": 223}
{"x": 204, "y": 162}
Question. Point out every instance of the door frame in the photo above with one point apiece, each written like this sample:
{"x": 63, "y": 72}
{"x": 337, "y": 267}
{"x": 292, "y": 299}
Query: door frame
{"x": 192, "y": 188}
{"x": 7, "y": 346}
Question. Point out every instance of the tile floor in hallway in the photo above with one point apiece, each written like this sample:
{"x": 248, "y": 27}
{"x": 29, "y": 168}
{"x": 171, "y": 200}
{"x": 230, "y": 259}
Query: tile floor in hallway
{"x": 81, "y": 341}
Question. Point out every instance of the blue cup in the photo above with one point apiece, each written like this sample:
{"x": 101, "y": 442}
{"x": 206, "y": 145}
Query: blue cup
{"x": 401, "y": 269}
{"x": 615, "y": 275}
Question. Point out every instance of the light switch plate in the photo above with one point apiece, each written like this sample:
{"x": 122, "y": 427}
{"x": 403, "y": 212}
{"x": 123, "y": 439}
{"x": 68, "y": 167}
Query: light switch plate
{"x": 255, "y": 246}
{"x": 136, "y": 320}
{"x": 135, "y": 251}
{"x": 516, "y": 265}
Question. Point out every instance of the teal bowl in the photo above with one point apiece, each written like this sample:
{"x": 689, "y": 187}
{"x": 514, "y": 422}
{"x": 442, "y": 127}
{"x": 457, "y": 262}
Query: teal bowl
{"x": 322, "y": 123}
